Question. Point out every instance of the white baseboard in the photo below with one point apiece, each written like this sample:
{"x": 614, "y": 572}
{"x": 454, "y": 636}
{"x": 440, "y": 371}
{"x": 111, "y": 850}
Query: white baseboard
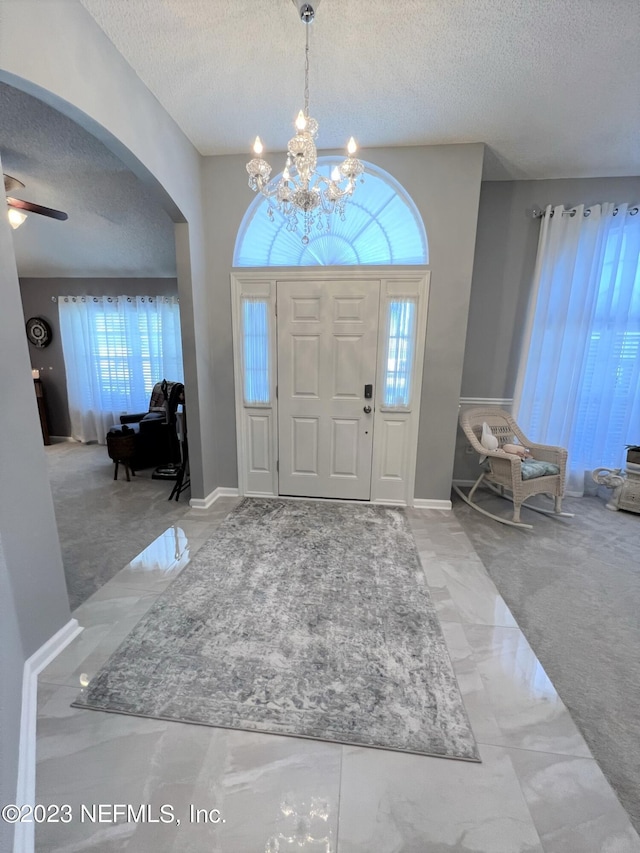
{"x": 26, "y": 790}
{"x": 220, "y": 492}
{"x": 61, "y": 439}
{"x": 418, "y": 503}
{"x": 464, "y": 482}
{"x": 431, "y": 503}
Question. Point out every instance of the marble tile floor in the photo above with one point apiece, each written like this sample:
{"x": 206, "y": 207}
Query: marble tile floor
{"x": 537, "y": 789}
{"x": 103, "y": 523}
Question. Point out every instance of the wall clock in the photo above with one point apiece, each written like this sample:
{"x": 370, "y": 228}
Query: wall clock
{"x": 38, "y": 332}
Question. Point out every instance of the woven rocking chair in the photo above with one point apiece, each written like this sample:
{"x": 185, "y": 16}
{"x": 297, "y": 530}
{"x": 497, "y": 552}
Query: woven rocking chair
{"x": 508, "y": 472}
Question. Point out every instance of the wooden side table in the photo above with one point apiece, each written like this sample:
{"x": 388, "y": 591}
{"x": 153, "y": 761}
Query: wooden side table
{"x": 121, "y": 449}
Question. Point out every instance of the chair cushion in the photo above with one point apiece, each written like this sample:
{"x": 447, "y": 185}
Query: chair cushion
{"x": 532, "y": 468}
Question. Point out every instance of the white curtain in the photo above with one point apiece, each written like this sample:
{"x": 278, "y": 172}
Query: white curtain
{"x": 579, "y": 379}
{"x": 115, "y": 350}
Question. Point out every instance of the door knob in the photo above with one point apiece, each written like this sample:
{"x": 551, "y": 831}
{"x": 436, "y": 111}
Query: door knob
{"x": 367, "y": 410}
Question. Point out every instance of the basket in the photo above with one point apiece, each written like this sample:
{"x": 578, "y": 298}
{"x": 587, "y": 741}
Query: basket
{"x": 121, "y": 448}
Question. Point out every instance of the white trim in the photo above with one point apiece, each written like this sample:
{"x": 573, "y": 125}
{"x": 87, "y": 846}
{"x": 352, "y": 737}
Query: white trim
{"x": 407, "y": 280}
{"x": 415, "y": 287}
{"x": 486, "y": 401}
{"x": 261, "y": 286}
{"x": 26, "y": 789}
{"x": 212, "y": 497}
{"x": 418, "y": 503}
{"x": 62, "y": 439}
{"x": 431, "y": 503}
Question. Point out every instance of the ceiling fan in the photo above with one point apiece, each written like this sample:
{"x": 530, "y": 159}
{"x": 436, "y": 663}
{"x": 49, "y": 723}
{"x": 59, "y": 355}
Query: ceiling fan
{"x": 18, "y": 208}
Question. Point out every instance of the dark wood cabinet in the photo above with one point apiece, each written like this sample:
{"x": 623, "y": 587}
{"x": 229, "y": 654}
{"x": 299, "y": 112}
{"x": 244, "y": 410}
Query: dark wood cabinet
{"x": 42, "y": 410}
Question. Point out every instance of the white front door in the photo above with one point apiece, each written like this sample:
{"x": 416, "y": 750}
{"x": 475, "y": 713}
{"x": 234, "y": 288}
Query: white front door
{"x": 327, "y": 354}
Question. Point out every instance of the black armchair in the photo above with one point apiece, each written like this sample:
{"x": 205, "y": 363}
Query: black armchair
{"x": 155, "y": 438}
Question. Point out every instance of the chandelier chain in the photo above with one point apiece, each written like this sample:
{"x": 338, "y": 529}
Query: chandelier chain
{"x": 306, "y": 74}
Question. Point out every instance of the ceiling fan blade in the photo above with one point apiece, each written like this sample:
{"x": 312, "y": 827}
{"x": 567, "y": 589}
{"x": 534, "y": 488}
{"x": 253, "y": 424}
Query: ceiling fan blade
{"x": 11, "y": 183}
{"x": 36, "y": 208}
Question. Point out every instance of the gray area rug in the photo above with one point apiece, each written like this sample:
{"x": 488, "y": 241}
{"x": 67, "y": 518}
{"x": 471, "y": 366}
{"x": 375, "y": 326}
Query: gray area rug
{"x": 103, "y": 523}
{"x": 573, "y": 585}
{"x": 301, "y": 618}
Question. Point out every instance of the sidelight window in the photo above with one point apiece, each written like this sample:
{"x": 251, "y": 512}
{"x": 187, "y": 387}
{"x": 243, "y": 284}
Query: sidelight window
{"x": 401, "y": 336}
{"x": 255, "y": 337}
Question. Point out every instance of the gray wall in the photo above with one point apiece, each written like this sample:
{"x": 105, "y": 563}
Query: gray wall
{"x": 36, "y": 302}
{"x": 33, "y": 595}
{"x": 12, "y": 657}
{"x": 505, "y": 255}
{"x": 72, "y": 66}
{"x": 444, "y": 182}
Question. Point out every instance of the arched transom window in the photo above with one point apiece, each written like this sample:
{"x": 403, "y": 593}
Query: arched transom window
{"x": 382, "y": 226}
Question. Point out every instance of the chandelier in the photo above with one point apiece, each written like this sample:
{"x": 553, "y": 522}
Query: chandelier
{"x": 301, "y": 193}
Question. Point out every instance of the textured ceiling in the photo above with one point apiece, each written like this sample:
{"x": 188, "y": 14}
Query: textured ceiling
{"x": 115, "y": 228}
{"x": 551, "y": 86}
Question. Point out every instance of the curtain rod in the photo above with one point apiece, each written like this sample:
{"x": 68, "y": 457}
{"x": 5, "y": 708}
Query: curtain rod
{"x": 536, "y": 212}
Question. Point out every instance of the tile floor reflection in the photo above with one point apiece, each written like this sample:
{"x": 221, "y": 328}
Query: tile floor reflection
{"x": 538, "y": 789}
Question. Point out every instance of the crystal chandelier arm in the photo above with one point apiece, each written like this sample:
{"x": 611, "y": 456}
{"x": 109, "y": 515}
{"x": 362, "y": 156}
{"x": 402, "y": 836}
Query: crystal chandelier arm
{"x": 334, "y": 187}
{"x": 268, "y": 188}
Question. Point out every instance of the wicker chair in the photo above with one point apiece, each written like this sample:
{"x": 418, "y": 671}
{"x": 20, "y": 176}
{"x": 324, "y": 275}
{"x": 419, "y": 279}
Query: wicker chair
{"x": 504, "y": 470}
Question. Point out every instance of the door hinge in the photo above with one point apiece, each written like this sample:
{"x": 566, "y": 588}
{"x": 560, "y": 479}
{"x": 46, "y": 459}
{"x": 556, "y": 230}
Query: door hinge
{"x": 276, "y": 392}
{"x": 278, "y": 466}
